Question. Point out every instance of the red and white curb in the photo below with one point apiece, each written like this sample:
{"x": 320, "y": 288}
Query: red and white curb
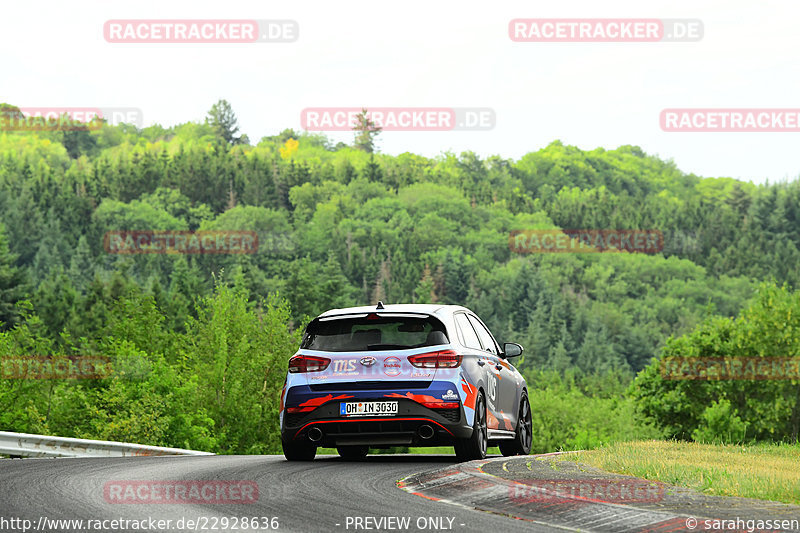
{"x": 467, "y": 485}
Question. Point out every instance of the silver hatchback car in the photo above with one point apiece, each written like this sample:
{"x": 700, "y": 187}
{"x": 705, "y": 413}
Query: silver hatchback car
{"x": 394, "y": 375}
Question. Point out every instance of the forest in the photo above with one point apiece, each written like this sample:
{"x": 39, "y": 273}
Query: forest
{"x": 199, "y": 343}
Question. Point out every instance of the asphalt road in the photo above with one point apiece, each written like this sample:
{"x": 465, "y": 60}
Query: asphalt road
{"x": 326, "y": 495}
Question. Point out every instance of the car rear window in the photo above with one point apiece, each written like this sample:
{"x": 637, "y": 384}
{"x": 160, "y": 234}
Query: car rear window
{"x": 373, "y": 332}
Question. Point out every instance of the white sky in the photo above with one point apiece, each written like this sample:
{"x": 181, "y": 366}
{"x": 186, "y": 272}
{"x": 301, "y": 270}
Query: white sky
{"x": 442, "y": 53}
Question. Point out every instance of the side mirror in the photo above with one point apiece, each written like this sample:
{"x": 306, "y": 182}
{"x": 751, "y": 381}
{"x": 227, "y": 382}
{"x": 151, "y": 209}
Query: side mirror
{"x": 511, "y": 349}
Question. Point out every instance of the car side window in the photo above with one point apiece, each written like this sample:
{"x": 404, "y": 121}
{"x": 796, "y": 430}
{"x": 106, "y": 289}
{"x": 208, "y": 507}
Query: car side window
{"x": 484, "y": 335}
{"x": 467, "y": 333}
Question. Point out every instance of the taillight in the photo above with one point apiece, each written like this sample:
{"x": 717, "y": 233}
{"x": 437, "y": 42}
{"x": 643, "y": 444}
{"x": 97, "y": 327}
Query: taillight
{"x": 308, "y": 363}
{"x": 442, "y": 359}
{"x": 441, "y": 405}
{"x": 305, "y": 409}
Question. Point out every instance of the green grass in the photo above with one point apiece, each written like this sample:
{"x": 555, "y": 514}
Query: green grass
{"x": 762, "y": 471}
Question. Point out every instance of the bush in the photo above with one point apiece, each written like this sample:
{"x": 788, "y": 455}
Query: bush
{"x": 768, "y": 328}
{"x": 720, "y": 425}
{"x": 568, "y": 415}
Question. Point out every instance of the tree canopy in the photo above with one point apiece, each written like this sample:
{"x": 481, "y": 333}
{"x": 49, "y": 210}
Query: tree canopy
{"x": 345, "y": 225}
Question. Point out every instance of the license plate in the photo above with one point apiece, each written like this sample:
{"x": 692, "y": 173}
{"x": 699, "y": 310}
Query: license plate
{"x": 367, "y": 408}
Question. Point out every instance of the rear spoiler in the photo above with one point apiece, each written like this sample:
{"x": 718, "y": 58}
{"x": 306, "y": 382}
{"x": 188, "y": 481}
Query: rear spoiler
{"x": 381, "y": 314}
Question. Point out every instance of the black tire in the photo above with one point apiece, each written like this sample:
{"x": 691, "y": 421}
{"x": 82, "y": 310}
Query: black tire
{"x": 298, "y": 451}
{"x": 352, "y": 453}
{"x": 523, "y": 440}
{"x": 474, "y": 447}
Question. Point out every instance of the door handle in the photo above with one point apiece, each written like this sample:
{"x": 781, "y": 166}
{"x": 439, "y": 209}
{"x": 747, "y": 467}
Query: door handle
{"x": 498, "y": 366}
{"x": 481, "y": 362}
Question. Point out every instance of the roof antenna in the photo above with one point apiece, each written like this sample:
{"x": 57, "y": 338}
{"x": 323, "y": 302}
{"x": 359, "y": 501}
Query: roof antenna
{"x": 379, "y": 306}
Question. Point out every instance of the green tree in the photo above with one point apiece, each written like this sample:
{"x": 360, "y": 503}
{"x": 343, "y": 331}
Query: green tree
{"x": 720, "y": 424}
{"x": 77, "y": 140}
{"x": 769, "y": 327}
{"x": 222, "y": 118}
{"x": 81, "y": 266}
{"x": 55, "y": 302}
{"x": 13, "y": 285}
{"x": 366, "y": 131}
{"x": 239, "y": 356}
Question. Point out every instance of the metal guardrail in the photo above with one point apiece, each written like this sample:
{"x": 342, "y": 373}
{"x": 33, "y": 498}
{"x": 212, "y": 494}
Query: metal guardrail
{"x": 27, "y": 445}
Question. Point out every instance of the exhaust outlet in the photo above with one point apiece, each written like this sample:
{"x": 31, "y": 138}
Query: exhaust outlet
{"x": 425, "y": 431}
{"x": 315, "y": 434}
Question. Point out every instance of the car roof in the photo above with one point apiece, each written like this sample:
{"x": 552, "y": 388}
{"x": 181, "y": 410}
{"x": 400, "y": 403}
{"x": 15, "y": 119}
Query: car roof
{"x": 428, "y": 309}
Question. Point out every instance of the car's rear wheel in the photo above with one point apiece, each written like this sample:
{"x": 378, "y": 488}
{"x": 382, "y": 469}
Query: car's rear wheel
{"x": 353, "y": 453}
{"x": 298, "y": 451}
{"x": 523, "y": 439}
{"x": 474, "y": 447}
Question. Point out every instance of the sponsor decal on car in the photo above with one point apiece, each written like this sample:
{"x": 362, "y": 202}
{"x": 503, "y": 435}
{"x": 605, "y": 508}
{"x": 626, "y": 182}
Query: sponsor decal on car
{"x": 392, "y": 366}
{"x": 345, "y": 367}
{"x": 505, "y": 422}
{"x": 491, "y": 421}
{"x": 491, "y": 390}
{"x": 419, "y": 398}
{"x": 471, "y": 393}
{"x": 313, "y": 403}
{"x": 450, "y": 395}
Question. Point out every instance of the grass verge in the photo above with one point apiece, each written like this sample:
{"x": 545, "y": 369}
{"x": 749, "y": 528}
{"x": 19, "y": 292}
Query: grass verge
{"x": 762, "y": 471}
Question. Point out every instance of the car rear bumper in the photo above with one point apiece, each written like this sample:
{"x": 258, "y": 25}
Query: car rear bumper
{"x": 414, "y": 424}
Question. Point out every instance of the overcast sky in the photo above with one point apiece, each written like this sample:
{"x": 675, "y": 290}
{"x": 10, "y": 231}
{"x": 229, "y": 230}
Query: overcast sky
{"x": 441, "y": 53}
